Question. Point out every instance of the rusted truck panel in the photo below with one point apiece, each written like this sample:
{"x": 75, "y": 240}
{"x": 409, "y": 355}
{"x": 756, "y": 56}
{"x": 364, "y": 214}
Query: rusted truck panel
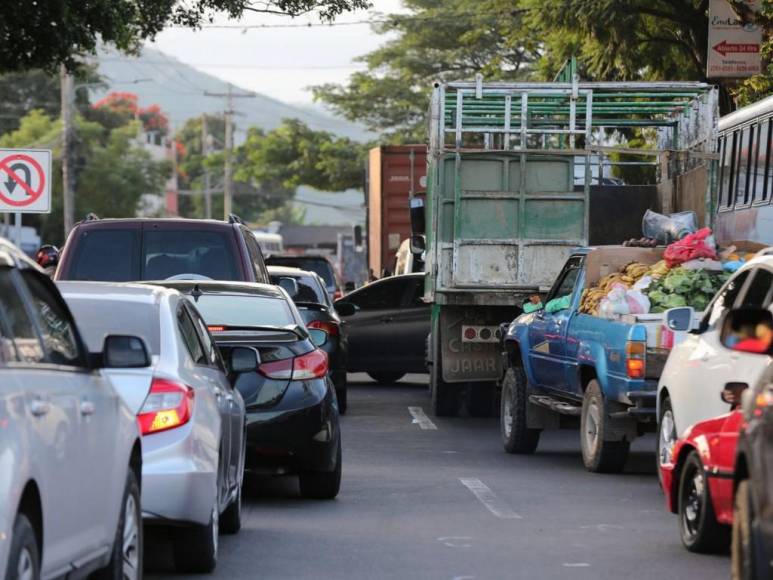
{"x": 395, "y": 173}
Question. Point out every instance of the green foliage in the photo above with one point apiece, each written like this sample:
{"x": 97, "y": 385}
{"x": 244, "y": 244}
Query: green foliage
{"x": 683, "y": 287}
{"x": 761, "y": 85}
{"x": 440, "y": 40}
{"x": 111, "y": 171}
{"x": 44, "y": 34}
{"x": 293, "y": 155}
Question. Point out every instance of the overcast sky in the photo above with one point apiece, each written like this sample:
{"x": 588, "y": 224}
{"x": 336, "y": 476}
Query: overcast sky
{"x": 279, "y": 62}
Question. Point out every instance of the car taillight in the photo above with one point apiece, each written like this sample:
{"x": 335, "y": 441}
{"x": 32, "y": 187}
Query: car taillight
{"x": 168, "y": 405}
{"x": 311, "y": 365}
{"x": 635, "y": 359}
{"x": 763, "y": 400}
{"x": 330, "y": 327}
{"x": 216, "y": 328}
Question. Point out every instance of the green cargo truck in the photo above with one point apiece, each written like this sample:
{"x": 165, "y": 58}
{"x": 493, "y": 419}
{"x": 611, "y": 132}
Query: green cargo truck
{"x": 511, "y": 189}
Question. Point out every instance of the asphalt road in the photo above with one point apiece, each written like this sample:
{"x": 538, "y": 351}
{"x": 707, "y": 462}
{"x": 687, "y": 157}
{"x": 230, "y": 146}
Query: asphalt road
{"x": 448, "y": 503}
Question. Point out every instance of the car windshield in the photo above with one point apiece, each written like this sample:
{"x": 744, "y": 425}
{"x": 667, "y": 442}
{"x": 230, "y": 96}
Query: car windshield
{"x": 308, "y": 289}
{"x": 243, "y": 310}
{"x": 317, "y": 265}
{"x": 98, "y": 318}
{"x": 123, "y": 255}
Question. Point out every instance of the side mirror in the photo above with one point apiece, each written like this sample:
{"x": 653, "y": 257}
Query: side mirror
{"x": 732, "y": 393}
{"x": 680, "y": 319}
{"x": 244, "y": 359}
{"x": 418, "y": 219}
{"x": 345, "y": 308}
{"x": 318, "y": 336}
{"x": 125, "y": 352}
{"x": 290, "y": 285}
{"x": 418, "y": 244}
{"x": 748, "y": 330}
{"x": 47, "y": 256}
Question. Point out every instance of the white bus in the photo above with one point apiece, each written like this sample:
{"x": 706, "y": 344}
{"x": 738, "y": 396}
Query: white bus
{"x": 269, "y": 243}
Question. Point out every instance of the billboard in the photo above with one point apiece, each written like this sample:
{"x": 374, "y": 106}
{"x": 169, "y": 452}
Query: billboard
{"x": 734, "y": 47}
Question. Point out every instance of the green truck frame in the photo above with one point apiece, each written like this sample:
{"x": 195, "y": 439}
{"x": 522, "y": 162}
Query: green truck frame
{"x": 503, "y": 210}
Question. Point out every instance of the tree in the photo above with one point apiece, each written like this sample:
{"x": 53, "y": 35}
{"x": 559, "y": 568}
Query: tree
{"x": 45, "y": 34}
{"x": 112, "y": 171}
{"x": 761, "y": 85}
{"x": 294, "y": 154}
{"x": 440, "y": 40}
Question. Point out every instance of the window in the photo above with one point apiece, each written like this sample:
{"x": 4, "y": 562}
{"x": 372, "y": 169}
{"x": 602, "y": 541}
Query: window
{"x": 724, "y": 300}
{"x": 724, "y": 171}
{"x": 256, "y": 256}
{"x": 243, "y": 310}
{"x": 729, "y": 167}
{"x": 55, "y": 323}
{"x": 210, "y": 351}
{"x": 379, "y": 295}
{"x": 190, "y": 338}
{"x": 568, "y": 278}
{"x": 22, "y": 330}
{"x": 171, "y": 252}
{"x": 109, "y": 255}
{"x": 763, "y": 175}
{"x": 759, "y": 293}
{"x": 319, "y": 265}
{"x": 743, "y": 170}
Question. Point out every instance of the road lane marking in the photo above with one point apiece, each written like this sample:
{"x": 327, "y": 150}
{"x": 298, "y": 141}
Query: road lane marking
{"x": 421, "y": 419}
{"x": 575, "y": 565}
{"x": 489, "y": 499}
{"x": 456, "y": 541}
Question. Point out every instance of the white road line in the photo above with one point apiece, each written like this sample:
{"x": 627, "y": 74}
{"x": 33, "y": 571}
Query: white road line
{"x": 421, "y": 419}
{"x": 487, "y": 497}
{"x": 575, "y": 565}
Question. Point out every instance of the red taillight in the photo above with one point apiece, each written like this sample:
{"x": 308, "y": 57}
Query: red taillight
{"x": 635, "y": 357}
{"x": 311, "y": 365}
{"x": 470, "y": 333}
{"x": 216, "y": 328}
{"x": 168, "y": 405}
{"x": 330, "y": 327}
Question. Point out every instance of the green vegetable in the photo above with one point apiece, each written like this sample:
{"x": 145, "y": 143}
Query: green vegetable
{"x": 682, "y": 287}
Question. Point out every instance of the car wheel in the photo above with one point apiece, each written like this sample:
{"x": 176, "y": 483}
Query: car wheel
{"x": 666, "y": 435}
{"x": 698, "y": 524}
{"x": 341, "y": 393}
{"x": 386, "y": 377}
{"x": 516, "y": 436}
{"x": 126, "y": 559}
{"x": 24, "y": 555}
{"x": 195, "y": 547}
{"x": 480, "y": 399}
{"x": 598, "y": 454}
{"x": 744, "y": 559}
{"x": 322, "y": 484}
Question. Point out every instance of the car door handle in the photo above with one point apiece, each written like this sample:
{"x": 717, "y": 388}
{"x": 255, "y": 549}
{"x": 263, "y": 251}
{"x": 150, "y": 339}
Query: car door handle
{"x": 88, "y": 408}
{"x": 39, "y": 407}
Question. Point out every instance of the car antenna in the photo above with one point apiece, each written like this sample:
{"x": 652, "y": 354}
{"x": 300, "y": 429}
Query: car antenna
{"x": 196, "y": 292}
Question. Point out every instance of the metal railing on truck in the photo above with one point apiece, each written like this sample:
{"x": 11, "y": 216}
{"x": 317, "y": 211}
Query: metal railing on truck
{"x": 531, "y": 135}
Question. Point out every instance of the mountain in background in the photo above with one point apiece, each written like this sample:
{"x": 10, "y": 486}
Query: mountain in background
{"x": 179, "y": 90}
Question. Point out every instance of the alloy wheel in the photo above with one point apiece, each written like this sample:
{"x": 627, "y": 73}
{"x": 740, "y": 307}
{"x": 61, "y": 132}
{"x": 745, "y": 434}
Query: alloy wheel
{"x": 693, "y": 503}
{"x": 592, "y": 422}
{"x": 507, "y": 412}
{"x": 25, "y": 569}
{"x": 131, "y": 541}
{"x": 667, "y": 438}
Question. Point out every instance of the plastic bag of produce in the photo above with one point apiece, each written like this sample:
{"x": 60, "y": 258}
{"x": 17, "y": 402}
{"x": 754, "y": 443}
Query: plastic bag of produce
{"x": 703, "y": 264}
{"x": 621, "y": 300}
{"x": 667, "y": 228}
{"x": 700, "y": 244}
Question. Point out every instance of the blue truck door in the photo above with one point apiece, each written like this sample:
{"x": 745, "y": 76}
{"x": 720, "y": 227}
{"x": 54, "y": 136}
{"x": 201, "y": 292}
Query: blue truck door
{"x": 547, "y": 333}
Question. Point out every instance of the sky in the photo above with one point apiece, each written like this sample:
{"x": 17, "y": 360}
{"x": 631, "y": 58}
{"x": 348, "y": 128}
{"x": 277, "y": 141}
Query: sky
{"x": 279, "y": 62}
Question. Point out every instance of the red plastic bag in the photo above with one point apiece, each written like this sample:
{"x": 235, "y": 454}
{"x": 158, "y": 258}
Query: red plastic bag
{"x": 692, "y": 246}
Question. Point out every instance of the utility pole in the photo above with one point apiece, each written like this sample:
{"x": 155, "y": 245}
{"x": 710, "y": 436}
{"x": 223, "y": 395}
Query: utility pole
{"x": 228, "y": 173}
{"x": 68, "y": 171}
{"x": 207, "y": 180}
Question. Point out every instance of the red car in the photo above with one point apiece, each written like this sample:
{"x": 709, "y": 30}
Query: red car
{"x": 698, "y": 482}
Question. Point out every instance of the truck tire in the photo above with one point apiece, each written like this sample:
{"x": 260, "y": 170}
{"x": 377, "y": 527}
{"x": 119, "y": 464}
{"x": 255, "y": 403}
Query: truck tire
{"x": 480, "y": 399}
{"x": 598, "y": 453}
{"x": 444, "y": 396}
{"x": 516, "y": 436}
{"x": 747, "y": 563}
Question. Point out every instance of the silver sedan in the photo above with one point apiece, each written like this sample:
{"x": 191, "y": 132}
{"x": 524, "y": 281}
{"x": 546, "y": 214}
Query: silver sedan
{"x": 191, "y": 417}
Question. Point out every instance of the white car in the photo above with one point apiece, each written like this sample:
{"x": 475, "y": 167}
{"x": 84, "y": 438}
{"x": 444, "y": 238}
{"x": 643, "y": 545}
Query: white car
{"x": 70, "y": 450}
{"x": 699, "y": 367}
{"x": 191, "y": 418}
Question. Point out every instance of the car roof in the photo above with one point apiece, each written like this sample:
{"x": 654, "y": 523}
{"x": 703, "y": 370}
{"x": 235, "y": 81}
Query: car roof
{"x": 120, "y": 291}
{"x": 284, "y": 256}
{"x": 199, "y": 223}
{"x": 215, "y": 287}
{"x": 289, "y": 271}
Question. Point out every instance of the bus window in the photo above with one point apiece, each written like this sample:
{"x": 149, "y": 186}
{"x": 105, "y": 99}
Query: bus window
{"x": 764, "y": 176}
{"x": 728, "y": 172}
{"x": 742, "y": 180}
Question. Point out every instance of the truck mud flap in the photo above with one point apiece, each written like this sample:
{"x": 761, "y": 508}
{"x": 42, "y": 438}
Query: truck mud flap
{"x": 473, "y": 358}
{"x": 643, "y": 408}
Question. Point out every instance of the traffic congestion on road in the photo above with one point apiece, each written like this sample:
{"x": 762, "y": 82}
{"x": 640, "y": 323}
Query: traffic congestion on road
{"x": 542, "y": 348}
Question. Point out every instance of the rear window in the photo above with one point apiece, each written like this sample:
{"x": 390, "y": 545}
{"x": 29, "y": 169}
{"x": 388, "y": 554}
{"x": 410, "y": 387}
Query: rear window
{"x": 240, "y": 310}
{"x": 308, "y": 289}
{"x": 99, "y": 317}
{"x": 319, "y": 266}
{"x": 125, "y": 255}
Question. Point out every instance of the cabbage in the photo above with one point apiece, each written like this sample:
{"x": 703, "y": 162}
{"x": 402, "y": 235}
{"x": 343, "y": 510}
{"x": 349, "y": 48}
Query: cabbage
{"x": 682, "y": 287}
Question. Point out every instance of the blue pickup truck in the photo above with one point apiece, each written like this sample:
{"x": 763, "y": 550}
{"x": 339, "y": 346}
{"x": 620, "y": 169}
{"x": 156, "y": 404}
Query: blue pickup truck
{"x": 567, "y": 367}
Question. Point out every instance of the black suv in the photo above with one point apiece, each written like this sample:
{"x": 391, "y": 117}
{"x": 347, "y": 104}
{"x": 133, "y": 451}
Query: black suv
{"x": 125, "y": 250}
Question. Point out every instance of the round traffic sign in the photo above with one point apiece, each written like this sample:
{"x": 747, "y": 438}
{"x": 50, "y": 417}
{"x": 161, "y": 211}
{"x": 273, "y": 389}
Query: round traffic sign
{"x": 10, "y": 166}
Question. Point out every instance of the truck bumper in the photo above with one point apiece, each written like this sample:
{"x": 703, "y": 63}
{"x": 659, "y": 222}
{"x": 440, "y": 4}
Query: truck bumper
{"x": 642, "y": 406}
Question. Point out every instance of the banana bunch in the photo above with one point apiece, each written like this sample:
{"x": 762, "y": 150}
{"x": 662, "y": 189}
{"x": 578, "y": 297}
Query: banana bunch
{"x": 592, "y": 297}
{"x": 659, "y": 270}
{"x": 633, "y": 271}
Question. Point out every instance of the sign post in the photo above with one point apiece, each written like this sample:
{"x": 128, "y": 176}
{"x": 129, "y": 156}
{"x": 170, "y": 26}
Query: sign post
{"x": 734, "y": 47}
{"x": 25, "y": 184}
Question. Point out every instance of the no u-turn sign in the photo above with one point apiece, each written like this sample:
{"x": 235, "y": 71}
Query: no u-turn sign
{"x": 25, "y": 180}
